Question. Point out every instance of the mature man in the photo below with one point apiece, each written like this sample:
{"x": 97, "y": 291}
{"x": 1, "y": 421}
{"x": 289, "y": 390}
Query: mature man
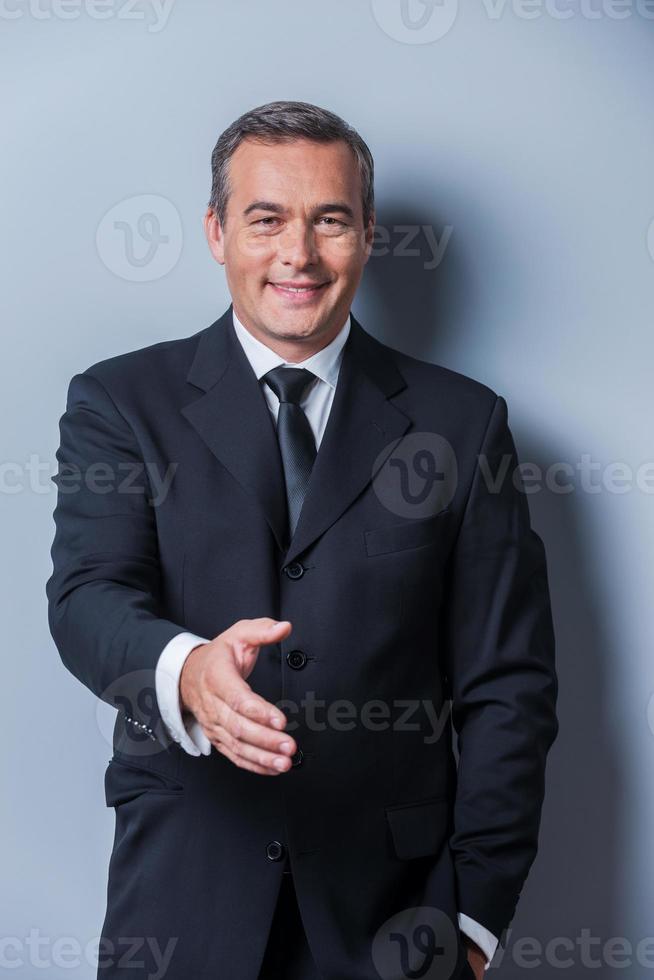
{"x": 327, "y": 567}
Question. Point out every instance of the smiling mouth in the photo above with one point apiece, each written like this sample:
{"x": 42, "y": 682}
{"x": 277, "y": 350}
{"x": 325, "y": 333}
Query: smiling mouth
{"x": 309, "y": 290}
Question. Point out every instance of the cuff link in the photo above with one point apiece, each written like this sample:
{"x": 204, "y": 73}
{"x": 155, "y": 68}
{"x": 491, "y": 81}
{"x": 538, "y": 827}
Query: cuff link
{"x": 145, "y": 728}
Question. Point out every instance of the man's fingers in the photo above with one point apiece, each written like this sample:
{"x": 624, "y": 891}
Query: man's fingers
{"x": 243, "y": 763}
{"x": 247, "y": 752}
{"x": 259, "y": 734}
{"x": 238, "y": 699}
{"x": 247, "y": 717}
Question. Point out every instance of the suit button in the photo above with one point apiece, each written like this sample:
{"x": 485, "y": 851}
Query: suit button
{"x": 275, "y": 851}
{"x": 296, "y": 760}
{"x": 296, "y": 659}
{"x": 295, "y": 569}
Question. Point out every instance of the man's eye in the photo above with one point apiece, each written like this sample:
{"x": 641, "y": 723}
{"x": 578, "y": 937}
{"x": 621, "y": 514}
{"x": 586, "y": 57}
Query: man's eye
{"x": 264, "y": 221}
{"x": 333, "y": 221}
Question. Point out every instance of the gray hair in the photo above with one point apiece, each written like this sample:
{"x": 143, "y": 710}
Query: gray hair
{"x": 282, "y": 122}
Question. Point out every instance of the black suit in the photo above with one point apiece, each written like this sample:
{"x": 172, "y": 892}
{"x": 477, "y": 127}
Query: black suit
{"x": 388, "y": 604}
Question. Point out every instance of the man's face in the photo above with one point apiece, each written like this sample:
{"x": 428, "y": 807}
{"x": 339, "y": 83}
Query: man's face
{"x": 294, "y": 220}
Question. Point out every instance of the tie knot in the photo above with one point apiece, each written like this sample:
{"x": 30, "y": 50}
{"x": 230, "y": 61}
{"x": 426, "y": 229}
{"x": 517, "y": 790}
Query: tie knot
{"x": 289, "y": 384}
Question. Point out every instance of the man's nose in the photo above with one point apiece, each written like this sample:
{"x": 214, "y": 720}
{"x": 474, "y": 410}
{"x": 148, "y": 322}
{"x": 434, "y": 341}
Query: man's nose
{"x": 298, "y": 245}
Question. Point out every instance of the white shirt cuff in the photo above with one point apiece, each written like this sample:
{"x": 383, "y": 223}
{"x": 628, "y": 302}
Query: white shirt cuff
{"x": 479, "y": 934}
{"x": 188, "y": 733}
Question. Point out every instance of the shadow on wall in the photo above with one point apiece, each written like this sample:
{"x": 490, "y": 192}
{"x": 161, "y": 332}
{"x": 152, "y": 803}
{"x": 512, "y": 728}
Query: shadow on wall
{"x": 414, "y": 283}
{"x": 575, "y": 878}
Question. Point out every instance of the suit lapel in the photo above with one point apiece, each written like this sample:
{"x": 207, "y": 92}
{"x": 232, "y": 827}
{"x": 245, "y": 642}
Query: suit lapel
{"x": 234, "y": 421}
{"x": 362, "y": 429}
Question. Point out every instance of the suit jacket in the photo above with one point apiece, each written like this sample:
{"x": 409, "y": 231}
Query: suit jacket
{"x": 406, "y": 606}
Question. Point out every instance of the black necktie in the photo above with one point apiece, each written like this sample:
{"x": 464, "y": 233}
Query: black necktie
{"x": 296, "y": 442}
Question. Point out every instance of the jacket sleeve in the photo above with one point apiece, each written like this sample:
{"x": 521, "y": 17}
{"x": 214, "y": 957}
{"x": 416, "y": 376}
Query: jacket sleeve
{"x": 499, "y": 650}
{"x": 104, "y": 591}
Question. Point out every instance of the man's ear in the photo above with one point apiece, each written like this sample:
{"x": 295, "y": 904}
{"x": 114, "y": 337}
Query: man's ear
{"x": 369, "y": 235}
{"x": 215, "y": 238}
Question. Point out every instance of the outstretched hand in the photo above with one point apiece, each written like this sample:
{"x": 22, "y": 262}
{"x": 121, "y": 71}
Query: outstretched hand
{"x": 238, "y": 722}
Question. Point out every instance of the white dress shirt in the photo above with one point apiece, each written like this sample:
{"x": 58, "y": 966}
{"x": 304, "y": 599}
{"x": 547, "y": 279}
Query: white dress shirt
{"x": 316, "y": 404}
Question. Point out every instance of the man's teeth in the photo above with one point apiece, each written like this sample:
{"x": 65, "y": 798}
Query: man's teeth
{"x": 298, "y": 289}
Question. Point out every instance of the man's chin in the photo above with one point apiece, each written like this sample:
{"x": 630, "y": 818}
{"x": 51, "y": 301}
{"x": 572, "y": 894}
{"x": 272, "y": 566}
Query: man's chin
{"x": 285, "y": 330}
{"x": 295, "y": 323}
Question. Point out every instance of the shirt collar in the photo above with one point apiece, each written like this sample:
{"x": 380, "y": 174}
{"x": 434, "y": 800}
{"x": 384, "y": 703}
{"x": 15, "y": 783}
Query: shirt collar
{"x": 324, "y": 363}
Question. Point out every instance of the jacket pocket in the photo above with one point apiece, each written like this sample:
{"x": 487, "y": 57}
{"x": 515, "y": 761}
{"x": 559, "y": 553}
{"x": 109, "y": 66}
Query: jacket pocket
{"x": 408, "y": 534}
{"x": 124, "y": 781}
{"x": 419, "y": 829}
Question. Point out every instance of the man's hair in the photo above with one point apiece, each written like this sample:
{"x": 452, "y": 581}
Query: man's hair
{"x": 283, "y": 122}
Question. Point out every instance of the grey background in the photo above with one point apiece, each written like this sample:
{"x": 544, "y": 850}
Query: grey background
{"x": 527, "y": 133}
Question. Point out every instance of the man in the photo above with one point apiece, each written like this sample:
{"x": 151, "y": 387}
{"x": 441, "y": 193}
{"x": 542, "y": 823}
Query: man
{"x": 298, "y": 557}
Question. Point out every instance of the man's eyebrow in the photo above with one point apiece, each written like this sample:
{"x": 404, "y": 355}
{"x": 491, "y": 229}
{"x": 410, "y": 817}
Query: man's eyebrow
{"x": 340, "y": 207}
{"x": 328, "y": 207}
{"x": 263, "y": 206}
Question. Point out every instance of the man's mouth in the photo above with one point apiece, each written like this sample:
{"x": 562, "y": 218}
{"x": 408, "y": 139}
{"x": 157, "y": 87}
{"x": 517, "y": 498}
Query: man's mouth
{"x": 299, "y": 290}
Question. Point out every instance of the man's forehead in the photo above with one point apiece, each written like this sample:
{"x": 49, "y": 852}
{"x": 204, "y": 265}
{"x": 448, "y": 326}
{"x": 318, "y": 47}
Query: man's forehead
{"x": 298, "y": 160}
